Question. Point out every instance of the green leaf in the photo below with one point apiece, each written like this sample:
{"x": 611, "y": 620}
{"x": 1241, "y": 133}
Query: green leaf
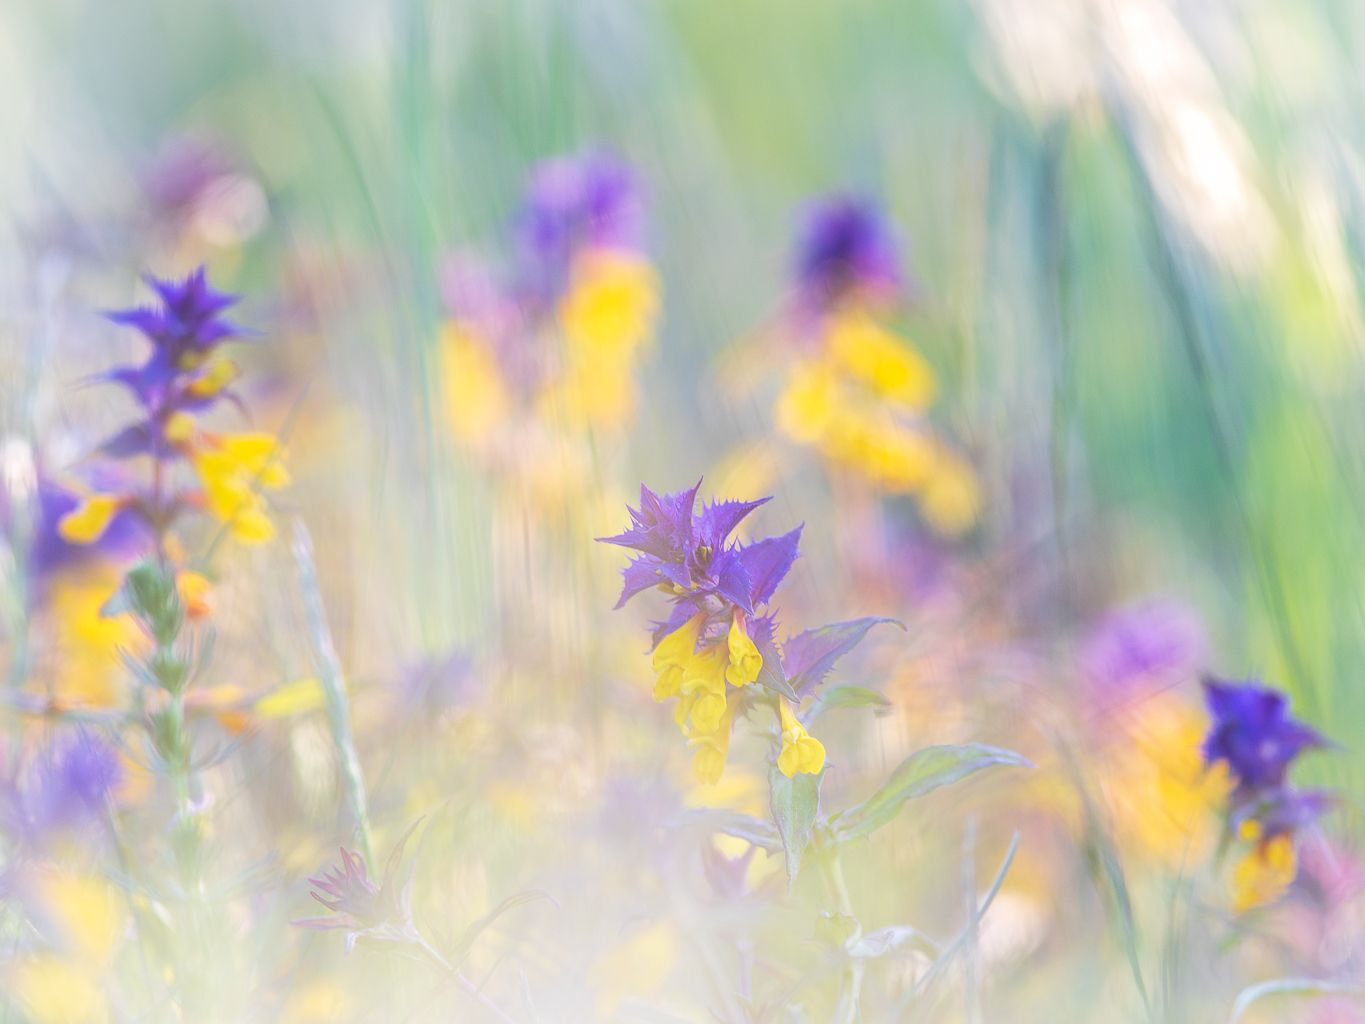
{"x": 849, "y": 697}
{"x": 795, "y": 804}
{"x": 921, "y": 773}
{"x": 771, "y": 676}
{"x": 1289, "y": 987}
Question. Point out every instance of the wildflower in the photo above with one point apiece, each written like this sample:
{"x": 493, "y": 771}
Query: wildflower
{"x": 184, "y": 375}
{"x": 845, "y": 252}
{"x": 709, "y": 645}
{"x": 801, "y": 752}
{"x": 588, "y": 202}
{"x": 364, "y": 910}
{"x": 1255, "y": 737}
{"x": 859, "y": 393}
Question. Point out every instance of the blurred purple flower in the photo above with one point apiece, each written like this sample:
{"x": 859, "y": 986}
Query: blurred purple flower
{"x": 183, "y": 327}
{"x": 588, "y": 200}
{"x": 845, "y": 248}
{"x": 1148, "y": 642}
{"x": 182, "y": 171}
{"x": 69, "y": 786}
{"x": 727, "y": 876}
{"x": 1254, "y": 735}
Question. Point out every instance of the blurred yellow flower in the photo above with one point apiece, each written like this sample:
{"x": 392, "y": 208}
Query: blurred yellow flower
{"x": 87, "y": 522}
{"x": 879, "y": 360}
{"x": 610, "y": 307}
{"x": 1264, "y": 873}
{"x": 233, "y": 468}
{"x": 55, "y": 991}
{"x": 475, "y": 396}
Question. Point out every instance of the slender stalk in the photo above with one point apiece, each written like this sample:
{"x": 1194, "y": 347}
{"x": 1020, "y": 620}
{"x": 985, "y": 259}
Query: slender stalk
{"x": 333, "y": 687}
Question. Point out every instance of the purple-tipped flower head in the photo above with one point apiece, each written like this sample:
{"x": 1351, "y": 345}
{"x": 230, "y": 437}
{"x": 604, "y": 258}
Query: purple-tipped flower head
{"x": 585, "y": 201}
{"x": 845, "y": 250}
{"x": 689, "y": 553}
{"x": 184, "y": 326}
{"x": 1253, "y": 734}
{"x": 364, "y": 910}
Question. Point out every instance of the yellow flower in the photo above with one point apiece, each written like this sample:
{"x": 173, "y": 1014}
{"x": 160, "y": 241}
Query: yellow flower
{"x": 55, "y": 991}
{"x": 593, "y": 393}
{"x": 950, "y": 500}
{"x": 711, "y": 751}
{"x": 217, "y": 374}
{"x": 879, "y": 360}
{"x": 809, "y": 402}
{"x": 87, "y": 665}
{"x": 801, "y": 752}
{"x": 476, "y": 398}
{"x": 1264, "y": 873}
{"x": 745, "y": 661}
{"x": 179, "y": 427}
{"x": 610, "y": 307}
{"x": 672, "y": 653}
{"x": 232, "y": 469}
{"x": 87, "y": 522}
{"x": 87, "y": 913}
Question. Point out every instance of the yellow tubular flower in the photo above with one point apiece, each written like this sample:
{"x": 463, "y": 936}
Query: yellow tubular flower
{"x": 881, "y": 361}
{"x": 745, "y": 661}
{"x": 801, "y": 752}
{"x": 1264, "y": 874}
{"x": 87, "y": 522}
{"x": 708, "y": 760}
{"x": 672, "y": 653}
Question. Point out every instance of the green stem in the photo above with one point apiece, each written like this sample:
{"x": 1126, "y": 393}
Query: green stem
{"x": 333, "y": 687}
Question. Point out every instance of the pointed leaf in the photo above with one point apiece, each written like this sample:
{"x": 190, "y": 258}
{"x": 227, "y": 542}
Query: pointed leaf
{"x": 795, "y": 804}
{"x": 808, "y": 657}
{"x": 921, "y": 773}
{"x": 770, "y": 675}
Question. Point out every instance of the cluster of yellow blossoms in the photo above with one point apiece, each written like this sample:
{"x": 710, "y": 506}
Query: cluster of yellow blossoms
{"x": 701, "y": 678}
{"x": 860, "y": 400}
{"x": 604, "y": 320}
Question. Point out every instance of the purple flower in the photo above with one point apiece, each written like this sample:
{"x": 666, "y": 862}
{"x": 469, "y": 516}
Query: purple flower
{"x": 365, "y": 910}
{"x": 845, "y": 248}
{"x": 584, "y": 201}
{"x": 184, "y": 327}
{"x": 1254, "y": 735}
{"x": 69, "y": 786}
{"x": 688, "y": 553}
{"x": 1153, "y": 641}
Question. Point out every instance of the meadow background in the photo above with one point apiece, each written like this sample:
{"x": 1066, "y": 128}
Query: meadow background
{"x": 1134, "y": 230}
